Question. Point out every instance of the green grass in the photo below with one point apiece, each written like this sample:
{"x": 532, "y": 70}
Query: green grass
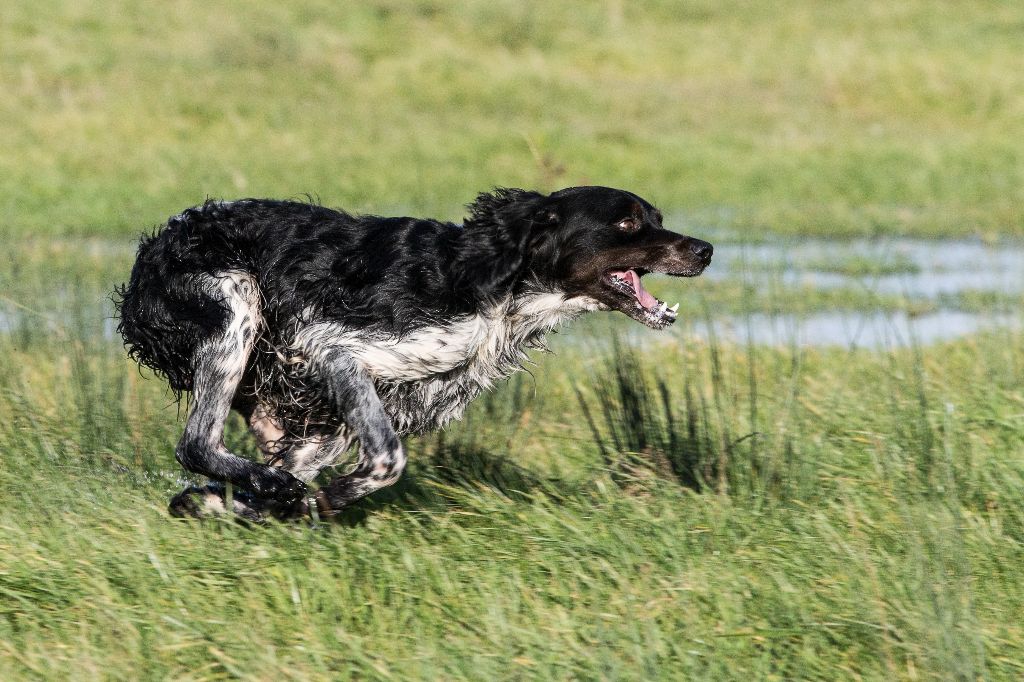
{"x": 679, "y": 509}
{"x": 676, "y": 510}
{"x": 829, "y": 118}
{"x": 830, "y": 515}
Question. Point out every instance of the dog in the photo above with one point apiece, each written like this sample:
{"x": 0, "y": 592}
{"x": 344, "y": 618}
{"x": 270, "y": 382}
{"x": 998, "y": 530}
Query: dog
{"x": 323, "y": 328}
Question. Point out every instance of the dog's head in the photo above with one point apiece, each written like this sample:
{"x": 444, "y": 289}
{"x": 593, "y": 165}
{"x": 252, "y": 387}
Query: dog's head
{"x": 588, "y": 242}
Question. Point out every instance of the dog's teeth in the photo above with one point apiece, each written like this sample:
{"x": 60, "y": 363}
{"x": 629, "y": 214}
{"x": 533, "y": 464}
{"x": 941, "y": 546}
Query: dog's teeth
{"x": 675, "y": 309}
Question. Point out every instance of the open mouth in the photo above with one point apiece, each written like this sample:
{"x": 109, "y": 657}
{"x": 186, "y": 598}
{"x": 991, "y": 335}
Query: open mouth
{"x": 645, "y": 307}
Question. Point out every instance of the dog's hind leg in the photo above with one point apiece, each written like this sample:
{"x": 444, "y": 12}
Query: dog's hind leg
{"x": 381, "y": 456}
{"x": 219, "y": 365}
{"x": 268, "y": 431}
{"x": 303, "y": 456}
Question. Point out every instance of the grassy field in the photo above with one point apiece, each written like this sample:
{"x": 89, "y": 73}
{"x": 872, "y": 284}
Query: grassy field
{"x": 640, "y": 506}
{"x": 837, "y": 118}
{"x": 740, "y": 513}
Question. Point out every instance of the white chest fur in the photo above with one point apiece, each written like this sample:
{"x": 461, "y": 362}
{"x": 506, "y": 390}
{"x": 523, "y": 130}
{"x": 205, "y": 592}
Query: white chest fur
{"x": 487, "y": 345}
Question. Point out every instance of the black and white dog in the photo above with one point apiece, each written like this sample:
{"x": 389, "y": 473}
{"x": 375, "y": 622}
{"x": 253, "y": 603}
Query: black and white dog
{"x": 323, "y": 328}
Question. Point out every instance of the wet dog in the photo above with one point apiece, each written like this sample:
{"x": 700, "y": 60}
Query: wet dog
{"x": 323, "y": 328}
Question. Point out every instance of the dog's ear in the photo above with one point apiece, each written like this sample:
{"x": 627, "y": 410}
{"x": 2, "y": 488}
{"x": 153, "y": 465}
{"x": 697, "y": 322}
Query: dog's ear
{"x": 509, "y": 208}
{"x": 497, "y": 235}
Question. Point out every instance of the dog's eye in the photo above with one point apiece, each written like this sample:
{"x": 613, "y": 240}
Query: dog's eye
{"x": 627, "y": 225}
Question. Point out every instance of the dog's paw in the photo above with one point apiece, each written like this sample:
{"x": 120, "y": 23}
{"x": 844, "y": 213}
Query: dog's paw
{"x": 210, "y": 501}
{"x": 289, "y": 502}
{"x": 313, "y": 507}
{"x": 188, "y": 504}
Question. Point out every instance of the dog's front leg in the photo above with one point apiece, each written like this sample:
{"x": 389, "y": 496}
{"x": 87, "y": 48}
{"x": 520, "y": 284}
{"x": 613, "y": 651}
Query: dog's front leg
{"x": 381, "y": 457}
{"x": 219, "y": 365}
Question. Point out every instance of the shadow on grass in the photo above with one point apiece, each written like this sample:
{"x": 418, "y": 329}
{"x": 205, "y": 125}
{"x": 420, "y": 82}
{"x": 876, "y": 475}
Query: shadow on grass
{"x": 449, "y": 472}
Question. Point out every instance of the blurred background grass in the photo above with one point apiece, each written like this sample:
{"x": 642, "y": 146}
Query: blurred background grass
{"x": 836, "y": 118}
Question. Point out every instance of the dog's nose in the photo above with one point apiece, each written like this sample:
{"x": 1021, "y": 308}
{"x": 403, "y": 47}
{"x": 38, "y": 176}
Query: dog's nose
{"x": 702, "y": 250}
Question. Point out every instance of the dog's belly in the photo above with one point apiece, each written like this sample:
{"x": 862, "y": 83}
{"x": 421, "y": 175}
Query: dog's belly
{"x": 487, "y": 346}
{"x": 427, "y": 377}
{"x": 423, "y": 406}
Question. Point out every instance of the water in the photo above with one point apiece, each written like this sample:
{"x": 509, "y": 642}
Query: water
{"x": 853, "y": 329}
{"x": 934, "y": 268}
{"x": 94, "y": 320}
{"x": 927, "y": 271}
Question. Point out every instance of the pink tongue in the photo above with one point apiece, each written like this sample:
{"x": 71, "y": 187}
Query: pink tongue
{"x": 646, "y": 300}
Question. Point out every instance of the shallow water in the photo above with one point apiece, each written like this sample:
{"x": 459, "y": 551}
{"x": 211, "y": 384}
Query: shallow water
{"x": 934, "y": 268}
{"x": 853, "y": 329}
{"x": 930, "y": 270}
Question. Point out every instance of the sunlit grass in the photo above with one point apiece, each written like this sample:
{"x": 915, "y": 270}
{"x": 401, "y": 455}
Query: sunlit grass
{"x": 676, "y": 509}
{"x": 857, "y": 513}
{"x": 836, "y": 118}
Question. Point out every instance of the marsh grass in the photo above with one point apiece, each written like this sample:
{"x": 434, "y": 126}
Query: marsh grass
{"x": 676, "y": 509}
{"x": 873, "y": 525}
{"x": 741, "y": 511}
{"x": 643, "y": 429}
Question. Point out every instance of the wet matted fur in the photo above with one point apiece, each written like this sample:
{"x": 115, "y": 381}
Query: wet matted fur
{"x": 324, "y": 328}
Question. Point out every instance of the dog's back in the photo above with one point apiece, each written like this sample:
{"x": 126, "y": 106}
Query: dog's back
{"x": 170, "y": 307}
{"x": 388, "y": 275}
